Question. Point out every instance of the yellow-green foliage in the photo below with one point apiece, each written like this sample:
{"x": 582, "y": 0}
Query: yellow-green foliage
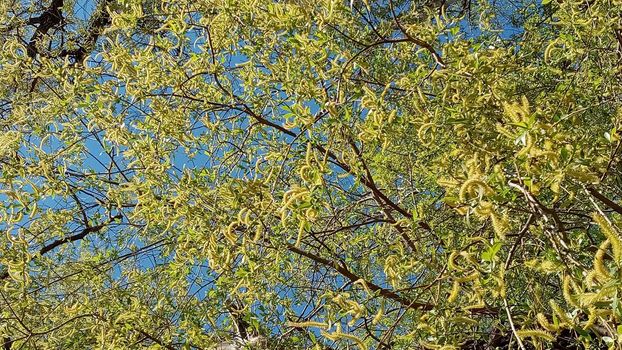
{"x": 312, "y": 173}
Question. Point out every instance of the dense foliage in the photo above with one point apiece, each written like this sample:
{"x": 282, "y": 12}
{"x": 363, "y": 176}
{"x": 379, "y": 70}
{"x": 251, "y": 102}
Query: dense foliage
{"x": 310, "y": 174}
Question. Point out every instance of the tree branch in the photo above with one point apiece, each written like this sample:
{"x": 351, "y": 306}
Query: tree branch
{"x": 69, "y": 239}
{"x": 345, "y": 272}
{"x": 99, "y": 21}
{"x": 51, "y": 17}
{"x": 608, "y": 202}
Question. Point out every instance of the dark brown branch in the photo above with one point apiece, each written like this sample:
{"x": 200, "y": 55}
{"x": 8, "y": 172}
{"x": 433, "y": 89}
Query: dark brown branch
{"x": 416, "y": 41}
{"x": 608, "y": 202}
{"x": 50, "y": 18}
{"x": 618, "y": 34}
{"x": 156, "y": 340}
{"x": 77, "y": 236}
{"x": 376, "y": 193}
{"x": 519, "y": 239}
{"x": 345, "y": 272}
{"x": 99, "y": 22}
{"x": 69, "y": 239}
{"x": 7, "y": 343}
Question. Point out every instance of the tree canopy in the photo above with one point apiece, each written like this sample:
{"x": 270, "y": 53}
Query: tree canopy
{"x": 310, "y": 174}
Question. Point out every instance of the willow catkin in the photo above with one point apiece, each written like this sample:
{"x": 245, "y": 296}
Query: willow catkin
{"x": 591, "y": 318}
{"x": 421, "y": 133}
{"x": 599, "y": 264}
{"x": 339, "y": 335}
{"x": 307, "y": 324}
{"x": 453, "y": 295}
{"x": 566, "y": 291}
{"x": 230, "y": 234}
{"x": 468, "y": 278}
{"x": 500, "y": 225}
{"x": 611, "y": 234}
{"x": 529, "y": 141}
{"x": 590, "y": 278}
{"x": 548, "y": 51}
{"x": 451, "y": 261}
{"x": 258, "y": 233}
{"x": 379, "y": 314}
{"x": 301, "y": 230}
{"x": 468, "y": 186}
{"x": 535, "y": 334}
{"x": 560, "y": 313}
{"x": 544, "y": 323}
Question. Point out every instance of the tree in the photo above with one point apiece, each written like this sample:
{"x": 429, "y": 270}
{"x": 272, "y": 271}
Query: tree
{"x": 310, "y": 174}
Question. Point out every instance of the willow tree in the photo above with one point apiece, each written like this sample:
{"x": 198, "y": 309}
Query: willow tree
{"x": 327, "y": 174}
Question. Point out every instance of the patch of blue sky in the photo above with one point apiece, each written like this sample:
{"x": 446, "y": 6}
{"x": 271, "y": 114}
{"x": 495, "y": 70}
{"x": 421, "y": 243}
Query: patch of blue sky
{"x": 83, "y": 9}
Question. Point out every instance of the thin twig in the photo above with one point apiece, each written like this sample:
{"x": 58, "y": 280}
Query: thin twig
{"x": 507, "y": 310}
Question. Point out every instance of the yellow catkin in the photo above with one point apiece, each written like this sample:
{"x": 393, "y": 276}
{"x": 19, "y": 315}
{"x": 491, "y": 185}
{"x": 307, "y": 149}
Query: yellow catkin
{"x": 503, "y": 131}
{"x": 301, "y": 231}
{"x": 560, "y": 313}
{"x": 329, "y": 336}
{"x": 535, "y": 334}
{"x": 591, "y": 318}
{"x": 611, "y": 234}
{"x": 515, "y": 111}
{"x": 311, "y": 214}
{"x": 363, "y": 284}
{"x": 307, "y": 324}
{"x": 429, "y": 346}
{"x": 473, "y": 166}
{"x": 305, "y": 173}
{"x": 309, "y": 153}
{"x": 591, "y": 278}
{"x": 502, "y": 291}
{"x": 293, "y": 198}
{"x": 566, "y": 291}
{"x": 284, "y": 214}
{"x": 378, "y": 317}
{"x": 528, "y": 145}
{"x": 454, "y": 292}
{"x": 599, "y": 264}
{"x": 469, "y": 257}
{"x": 468, "y": 186}
{"x": 476, "y": 306}
{"x": 258, "y": 233}
{"x": 241, "y": 215}
{"x": 588, "y": 299}
{"x": 604, "y": 312}
{"x": 463, "y": 319}
{"x": 422, "y": 132}
{"x": 450, "y": 183}
{"x": 544, "y": 323}
{"x": 549, "y": 50}
{"x": 470, "y": 277}
{"x": 356, "y": 309}
{"x": 451, "y": 262}
{"x": 337, "y": 335}
{"x": 484, "y": 209}
{"x": 499, "y": 225}
{"x": 287, "y": 194}
{"x": 230, "y": 234}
